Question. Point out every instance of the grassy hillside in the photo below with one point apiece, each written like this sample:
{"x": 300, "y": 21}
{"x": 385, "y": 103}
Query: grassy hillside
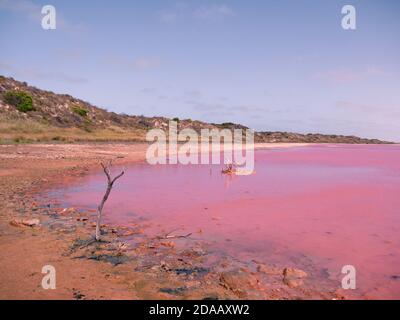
{"x": 29, "y": 114}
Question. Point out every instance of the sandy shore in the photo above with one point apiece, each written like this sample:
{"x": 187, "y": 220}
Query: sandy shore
{"x": 107, "y": 270}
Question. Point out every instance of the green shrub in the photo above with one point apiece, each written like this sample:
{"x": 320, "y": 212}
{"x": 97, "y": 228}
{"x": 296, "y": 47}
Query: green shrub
{"x": 227, "y": 124}
{"x": 19, "y": 99}
{"x": 79, "y": 110}
{"x": 175, "y": 119}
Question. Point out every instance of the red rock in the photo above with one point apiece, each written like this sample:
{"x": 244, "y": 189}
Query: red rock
{"x": 128, "y": 233}
{"x": 292, "y": 283}
{"x": 25, "y": 222}
{"x": 270, "y": 270}
{"x": 293, "y": 277}
{"x": 239, "y": 282}
{"x": 169, "y": 244}
{"x": 293, "y": 272}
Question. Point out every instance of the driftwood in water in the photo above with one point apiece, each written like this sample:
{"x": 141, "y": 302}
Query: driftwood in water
{"x": 229, "y": 169}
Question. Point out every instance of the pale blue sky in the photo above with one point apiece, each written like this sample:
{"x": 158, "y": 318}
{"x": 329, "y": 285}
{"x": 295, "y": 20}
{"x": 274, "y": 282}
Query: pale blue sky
{"x": 271, "y": 65}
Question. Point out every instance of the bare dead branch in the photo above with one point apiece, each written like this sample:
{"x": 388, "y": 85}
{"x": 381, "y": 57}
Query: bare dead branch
{"x": 178, "y": 236}
{"x": 171, "y": 236}
{"x": 229, "y": 169}
{"x": 110, "y": 183}
{"x": 173, "y": 230}
{"x": 87, "y": 244}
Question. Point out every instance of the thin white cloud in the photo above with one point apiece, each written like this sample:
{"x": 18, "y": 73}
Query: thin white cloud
{"x": 174, "y": 13}
{"x": 387, "y": 111}
{"x": 33, "y": 73}
{"x": 168, "y": 17}
{"x": 55, "y": 75}
{"x": 219, "y": 107}
{"x": 211, "y": 12}
{"x": 28, "y": 8}
{"x": 344, "y": 76}
{"x": 74, "y": 54}
{"x": 148, "y": 91}
{"x": 140, "y": 63}
{"x": 146, "y": 63}
{"x": 338, "y": 75}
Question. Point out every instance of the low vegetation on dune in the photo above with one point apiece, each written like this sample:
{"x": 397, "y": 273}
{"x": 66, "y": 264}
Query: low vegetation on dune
{"x": 80, "y": 111}
{"x": 20, "y": 100}
{"x": 28, "y": 114}
{"x": 15, "y": 130}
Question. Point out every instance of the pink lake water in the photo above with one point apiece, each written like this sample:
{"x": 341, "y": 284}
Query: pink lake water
{"x": 328, "y": 205}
